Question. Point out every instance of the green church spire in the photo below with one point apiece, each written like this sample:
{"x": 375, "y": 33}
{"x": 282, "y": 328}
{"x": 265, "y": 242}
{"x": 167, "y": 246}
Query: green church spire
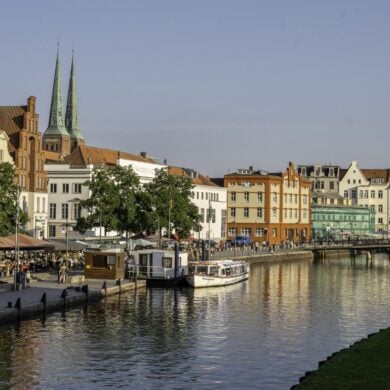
{"x": 72, "y": 111}
{"x": 56, "y": 121}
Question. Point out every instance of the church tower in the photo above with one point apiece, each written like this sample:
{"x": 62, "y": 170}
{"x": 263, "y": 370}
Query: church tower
{"x": 72, "y": 112}
{"x": 56, "y": 138}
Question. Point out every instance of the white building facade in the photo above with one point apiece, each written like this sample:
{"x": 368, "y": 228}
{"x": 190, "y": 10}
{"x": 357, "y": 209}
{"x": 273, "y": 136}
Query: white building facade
{"x": 368, "y": 188}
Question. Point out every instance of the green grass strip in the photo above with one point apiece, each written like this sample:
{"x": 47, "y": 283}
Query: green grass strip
{"x": 365, "y": 365}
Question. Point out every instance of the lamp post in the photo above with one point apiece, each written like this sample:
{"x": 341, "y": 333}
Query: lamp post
{"x": 16, "y": 271}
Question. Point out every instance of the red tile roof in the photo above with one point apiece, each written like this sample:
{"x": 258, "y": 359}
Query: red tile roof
{"x": 11, "y": 121}
{"x": 197, "y": 178}
{"x": 84, "y": 154}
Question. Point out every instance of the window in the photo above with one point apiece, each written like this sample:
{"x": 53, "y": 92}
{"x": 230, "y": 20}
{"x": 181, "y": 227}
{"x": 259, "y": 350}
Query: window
{"x": 331, "y": 185}
{"x": 246, "y": 212}
{"x": 1, "y": 155}
{"x": 232, "y": 211}
{"x": 274, "y": 212}
{"x": 274, "y": 232}
{"x": 167, "y": 262}
{"x": 346, "y": 194}
{"x": 380, "y": 220}
{"x": 52, "y": 211}
{"x": 232, "y": 231}
{"x": 65, "y": 188}
{"x": 246, "y": 197}
{"x": 52, "y": 230}
{"x": 38, "y": 204}
{"x": 77, "y": 189}
{"x": 233, "y": 196}
{"x": 246, "y": 232}
{"x": 274, "y": 197}
{"x": 201, "y": 215}
{"x": 353, "y": 194}
{"x": 372, "y": 194}
{"x": 259, "y": 212}
{"x": 64, "y": 211}
{"x": 259, "y": 232}
{"x": 366, "y": 194}
{"x": 259, "y": 196}
{"x": 76, "y": 211}
{"x": 380, "y": 194}
{"x": 380, "y": 208}
{"x": 211, "y": 215}
{"x": 53, "y": 188}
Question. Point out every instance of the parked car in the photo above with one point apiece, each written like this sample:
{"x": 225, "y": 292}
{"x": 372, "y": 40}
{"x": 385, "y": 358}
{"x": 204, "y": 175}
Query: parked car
{"x": 241, "y": 240}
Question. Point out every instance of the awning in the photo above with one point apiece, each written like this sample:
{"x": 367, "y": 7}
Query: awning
{"x": 24, "y": 242}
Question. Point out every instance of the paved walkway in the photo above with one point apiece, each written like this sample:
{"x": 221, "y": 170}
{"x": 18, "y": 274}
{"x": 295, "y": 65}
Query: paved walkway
{"x": 31, "y": 296}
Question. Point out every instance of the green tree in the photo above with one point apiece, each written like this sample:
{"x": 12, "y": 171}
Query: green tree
{"x": 8, "y": 195}
{"x": 171, "y": 202}
{"x": 112, "y": 203}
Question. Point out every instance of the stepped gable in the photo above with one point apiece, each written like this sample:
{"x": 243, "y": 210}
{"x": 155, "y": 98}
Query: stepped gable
{"x": 84, "y": 155}
{"x": 196, "y": 178}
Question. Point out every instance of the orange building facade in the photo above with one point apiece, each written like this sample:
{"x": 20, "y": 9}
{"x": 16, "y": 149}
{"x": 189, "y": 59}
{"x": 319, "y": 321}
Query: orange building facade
{"x": 274, "y": 208}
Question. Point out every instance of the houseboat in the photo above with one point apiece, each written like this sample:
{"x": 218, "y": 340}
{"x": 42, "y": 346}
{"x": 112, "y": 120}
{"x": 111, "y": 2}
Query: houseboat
{"x": 217, "y": 273}
{"x": 158, "y": 266}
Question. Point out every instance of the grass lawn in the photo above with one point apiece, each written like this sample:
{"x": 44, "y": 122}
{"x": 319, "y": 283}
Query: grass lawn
{"x": 366, "y": 365}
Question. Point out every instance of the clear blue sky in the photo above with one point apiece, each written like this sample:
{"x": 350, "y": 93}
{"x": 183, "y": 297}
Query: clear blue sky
{"x": 213, "y": 85}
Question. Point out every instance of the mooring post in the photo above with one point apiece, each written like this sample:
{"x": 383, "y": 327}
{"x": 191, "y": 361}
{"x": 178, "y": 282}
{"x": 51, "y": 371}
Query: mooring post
{"x": 44, "y": 301}
{"x": 18, "y": 305}
{"x": 85, "y": 290}
{"x": 64, "y": 295}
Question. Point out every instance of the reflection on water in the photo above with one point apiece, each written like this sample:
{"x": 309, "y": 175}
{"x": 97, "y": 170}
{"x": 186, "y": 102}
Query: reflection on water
{"x": 263, "y": 333}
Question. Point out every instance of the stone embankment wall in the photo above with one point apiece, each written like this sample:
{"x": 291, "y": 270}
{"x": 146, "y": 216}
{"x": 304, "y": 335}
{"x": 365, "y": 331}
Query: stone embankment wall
{"x": 278, "y": 256}
{"x": 15, "y": 309}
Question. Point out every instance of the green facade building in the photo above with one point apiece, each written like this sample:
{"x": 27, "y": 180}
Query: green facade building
{"x": 342, "y": 222}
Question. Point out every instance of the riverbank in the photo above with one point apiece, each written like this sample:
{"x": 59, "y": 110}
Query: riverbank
{"x": 364, "y": 365}
{"x": 44, "y": 295}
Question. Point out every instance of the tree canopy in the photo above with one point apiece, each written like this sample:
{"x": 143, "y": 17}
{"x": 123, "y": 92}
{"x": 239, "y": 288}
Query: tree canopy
{"x": 8, "y": 201}
{"x": 118, "y": 202}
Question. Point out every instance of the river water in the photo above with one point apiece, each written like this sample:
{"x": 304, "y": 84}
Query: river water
{"x": 260, "y": 334}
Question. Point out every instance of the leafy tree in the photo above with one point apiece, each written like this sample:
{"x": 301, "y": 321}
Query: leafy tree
{"x": 8, "y": 195}
{"x": 171, "y": 202}
{"x": 112, "y": 203}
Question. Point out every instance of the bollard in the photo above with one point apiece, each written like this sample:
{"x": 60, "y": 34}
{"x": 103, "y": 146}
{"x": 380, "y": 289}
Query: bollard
{"x": 64, "y": 295}
{"x": 18, "y": 305}
{"x": 85, "y": 290}
{"x": 44, "y": 301}
{"x": 104, "y": 287}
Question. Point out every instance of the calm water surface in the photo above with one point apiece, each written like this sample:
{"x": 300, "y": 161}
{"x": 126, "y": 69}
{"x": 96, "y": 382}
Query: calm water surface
{"x": 261, "y": 334}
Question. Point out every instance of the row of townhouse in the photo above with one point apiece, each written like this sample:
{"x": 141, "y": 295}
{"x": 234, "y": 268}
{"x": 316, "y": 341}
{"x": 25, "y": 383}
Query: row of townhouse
{"x": 310, "y": 201}
{"x": 52, "y": 167}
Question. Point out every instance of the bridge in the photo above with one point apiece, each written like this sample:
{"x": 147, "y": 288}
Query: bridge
{"x": 352, "y": 248}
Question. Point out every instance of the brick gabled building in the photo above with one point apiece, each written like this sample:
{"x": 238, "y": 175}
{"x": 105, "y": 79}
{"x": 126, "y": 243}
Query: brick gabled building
{"x": 21, "y": 124}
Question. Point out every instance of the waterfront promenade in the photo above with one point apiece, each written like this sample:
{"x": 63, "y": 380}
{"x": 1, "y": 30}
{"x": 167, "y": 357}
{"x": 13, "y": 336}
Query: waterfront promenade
{"x": 44, "y": 294}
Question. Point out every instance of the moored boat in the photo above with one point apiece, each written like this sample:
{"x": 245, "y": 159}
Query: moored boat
{"x": 217, "y": 273}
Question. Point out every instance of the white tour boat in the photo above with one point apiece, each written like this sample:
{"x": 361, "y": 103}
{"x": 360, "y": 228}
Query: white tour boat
{"x": 217, "y": 273}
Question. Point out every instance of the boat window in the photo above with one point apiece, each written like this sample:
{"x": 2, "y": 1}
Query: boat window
{"x": 228, "y": 271}
{"x": 213, "y": 270}
{"x": 167, "y": 262}
{"x": 202, "y": 269}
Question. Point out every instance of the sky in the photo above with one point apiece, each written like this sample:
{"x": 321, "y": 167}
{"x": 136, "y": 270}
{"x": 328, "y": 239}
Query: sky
{"x": 212, "y": 85}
